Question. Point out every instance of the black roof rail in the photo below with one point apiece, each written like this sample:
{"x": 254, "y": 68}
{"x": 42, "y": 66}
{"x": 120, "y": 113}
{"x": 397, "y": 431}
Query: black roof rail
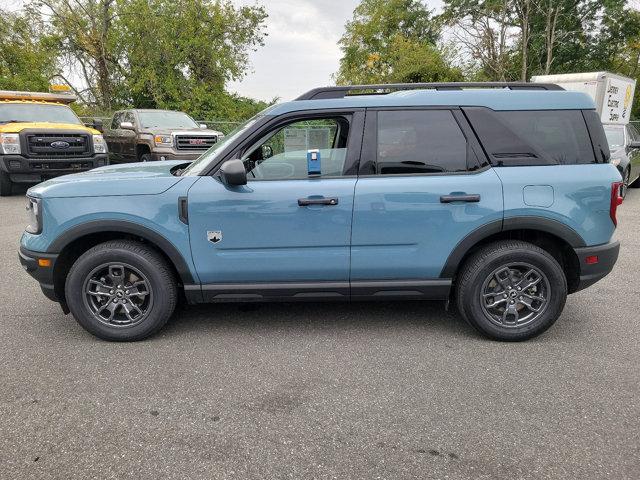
{"x": 382, "y": 89}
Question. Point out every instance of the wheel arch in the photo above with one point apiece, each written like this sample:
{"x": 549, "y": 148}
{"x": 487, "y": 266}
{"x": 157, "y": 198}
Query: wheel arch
{"x": 74, "y": 242}
{"x": 557, "y": 239}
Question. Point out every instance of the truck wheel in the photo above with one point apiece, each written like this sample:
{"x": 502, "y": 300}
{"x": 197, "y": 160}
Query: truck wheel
{"x": 146, "y": 157}
{"x": 121, "y": 290}
{"x": 511, "y": 290}
{"x": 5, "y": 184}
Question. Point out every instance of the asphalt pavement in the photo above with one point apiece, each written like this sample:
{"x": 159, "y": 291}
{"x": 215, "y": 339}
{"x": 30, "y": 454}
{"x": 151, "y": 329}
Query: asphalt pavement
{"x": 301, "y": 391}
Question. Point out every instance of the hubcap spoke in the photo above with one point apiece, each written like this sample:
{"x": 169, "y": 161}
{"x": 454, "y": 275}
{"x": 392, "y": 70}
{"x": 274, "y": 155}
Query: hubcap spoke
{"x": 514, "y": 295}
{"x": 118, "y": 295}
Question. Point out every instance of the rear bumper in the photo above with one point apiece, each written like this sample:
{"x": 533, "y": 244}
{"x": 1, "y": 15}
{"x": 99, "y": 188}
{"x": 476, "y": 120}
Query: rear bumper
{"x": 590, "y": 273}
{"x": 21, "y": 169}
{"x": 44, "y": 275}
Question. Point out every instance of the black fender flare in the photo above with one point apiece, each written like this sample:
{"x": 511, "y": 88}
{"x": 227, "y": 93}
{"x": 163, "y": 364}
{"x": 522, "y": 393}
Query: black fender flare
{"x": 123, "y": 226}
{"x": 541, "y": 224}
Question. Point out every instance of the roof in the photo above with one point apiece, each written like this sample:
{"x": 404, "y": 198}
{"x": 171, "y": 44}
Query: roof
{"x": 496, "y": 99}
{"x": 41, "y": 97}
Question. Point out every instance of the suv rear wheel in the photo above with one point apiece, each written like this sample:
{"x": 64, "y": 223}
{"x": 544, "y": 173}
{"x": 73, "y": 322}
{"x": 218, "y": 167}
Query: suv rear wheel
{"x": 121, "y": 290}
{"x": 5, "y": 184}
{"x": 511, "y": 290}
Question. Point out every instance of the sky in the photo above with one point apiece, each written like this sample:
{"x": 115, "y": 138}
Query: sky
{"x": 301, "y": 50}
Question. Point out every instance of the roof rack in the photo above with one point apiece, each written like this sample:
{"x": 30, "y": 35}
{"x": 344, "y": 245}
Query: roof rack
{"x": 383, "y": 89}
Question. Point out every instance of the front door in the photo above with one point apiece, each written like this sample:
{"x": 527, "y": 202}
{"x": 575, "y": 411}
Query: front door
{"x": 423, "y": 187}
{"x": 287, "y": 232}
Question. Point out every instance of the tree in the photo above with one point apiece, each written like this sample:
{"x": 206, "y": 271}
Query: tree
{"x": 27, "y": 52}
{"x": 180, "y": 54}
{"x": 392, "y": 41}
{"x": 89, "y": 45}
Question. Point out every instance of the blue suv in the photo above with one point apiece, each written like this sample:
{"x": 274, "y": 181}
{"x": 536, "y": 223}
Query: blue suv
{"x": 499, "y": 197}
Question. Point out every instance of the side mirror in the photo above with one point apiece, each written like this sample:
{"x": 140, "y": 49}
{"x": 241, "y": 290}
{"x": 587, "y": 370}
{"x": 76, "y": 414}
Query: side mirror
{"x": 98, "y": 124}
{"x": 634, "y": 144}
{"x": 127, "y": 126}
{"x": 267, "y": 152}
{"x": 233, "y": 173}
{"x": 203, "y": 125}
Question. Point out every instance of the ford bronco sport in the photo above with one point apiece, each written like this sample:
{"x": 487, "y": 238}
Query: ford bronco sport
{"x": 147, "y": 135}
{"x": 499, "y": 197}
{"x": 41, "y": 137}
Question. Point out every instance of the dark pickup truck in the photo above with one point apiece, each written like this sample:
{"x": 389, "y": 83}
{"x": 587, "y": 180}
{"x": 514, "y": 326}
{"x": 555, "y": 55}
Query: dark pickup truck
{"x": 147, "y": 135}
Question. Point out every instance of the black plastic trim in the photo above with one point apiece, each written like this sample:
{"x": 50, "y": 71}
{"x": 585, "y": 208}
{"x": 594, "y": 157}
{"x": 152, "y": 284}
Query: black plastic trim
{"x": 44, "y": 275}
{"x": 512, "y": 223}
{"x": 122, "y": 226}
{"x": 183, "y": 210}
{"x": 591, "y": 273}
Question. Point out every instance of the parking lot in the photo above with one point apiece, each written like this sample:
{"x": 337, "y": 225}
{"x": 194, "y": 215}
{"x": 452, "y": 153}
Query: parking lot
{"x": 382, "y": 390}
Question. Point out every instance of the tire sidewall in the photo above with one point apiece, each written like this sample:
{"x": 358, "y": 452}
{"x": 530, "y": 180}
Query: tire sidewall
{"x": 161, "y": 308}
{"x": 557, "y": 294}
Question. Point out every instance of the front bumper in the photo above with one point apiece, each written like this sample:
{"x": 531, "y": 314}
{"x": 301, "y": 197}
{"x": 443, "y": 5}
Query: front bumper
{"x": 21, "y": 169}
{"x": 44, "y": 275}
{"x": 590, "y": 273}
{"x": 171, "y": 154}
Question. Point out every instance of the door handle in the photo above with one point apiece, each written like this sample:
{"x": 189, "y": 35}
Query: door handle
{"x": 473, "y": 198}
{"x": 305, "y": 202}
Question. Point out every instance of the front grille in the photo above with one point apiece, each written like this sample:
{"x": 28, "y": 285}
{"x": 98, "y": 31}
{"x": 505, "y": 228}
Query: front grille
{"x": 193, "y": 142}
{"x": 40, "y": 145}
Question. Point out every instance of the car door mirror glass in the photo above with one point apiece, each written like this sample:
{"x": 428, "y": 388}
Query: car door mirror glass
{"x": 267, "y": 152}
{"x": 233, "y": 173}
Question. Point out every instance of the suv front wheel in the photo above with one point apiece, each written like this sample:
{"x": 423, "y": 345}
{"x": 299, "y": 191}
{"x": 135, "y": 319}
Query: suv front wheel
{"x": 121, "y": 290}
{"x": 511, "y": 290}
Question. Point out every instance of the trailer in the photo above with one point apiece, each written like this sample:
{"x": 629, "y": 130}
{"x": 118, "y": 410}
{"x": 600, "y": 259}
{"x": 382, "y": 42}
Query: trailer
{"x": 612, "y": 93}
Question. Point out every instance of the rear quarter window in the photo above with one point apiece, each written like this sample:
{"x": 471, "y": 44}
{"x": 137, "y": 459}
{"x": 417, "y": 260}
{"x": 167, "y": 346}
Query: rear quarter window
{"x": 560, "y": 134}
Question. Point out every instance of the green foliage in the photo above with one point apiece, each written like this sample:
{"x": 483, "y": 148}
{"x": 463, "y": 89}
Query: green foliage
{"x": 26, "y": 50}
{"x": 392, "y": 41}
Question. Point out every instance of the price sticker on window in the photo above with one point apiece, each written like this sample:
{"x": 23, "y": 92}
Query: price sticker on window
{"x": 313, "y": 162}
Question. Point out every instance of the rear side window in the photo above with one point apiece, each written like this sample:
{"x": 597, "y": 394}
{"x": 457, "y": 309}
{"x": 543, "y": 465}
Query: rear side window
{"x": 560, "y": 134}
{"x": 419, "y": 141}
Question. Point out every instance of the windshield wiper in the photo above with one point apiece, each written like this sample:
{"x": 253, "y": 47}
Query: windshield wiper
{"x": 11, "y": 121}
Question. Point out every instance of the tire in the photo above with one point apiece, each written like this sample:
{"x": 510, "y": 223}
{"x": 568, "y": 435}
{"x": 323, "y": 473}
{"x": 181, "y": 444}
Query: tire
{"x": 483, "y": 278}
{"x": 6, "y": 185}
{"x": 626, "y": 177}
{"x": 146, "y": 157}
{"x": 118, "y": 273}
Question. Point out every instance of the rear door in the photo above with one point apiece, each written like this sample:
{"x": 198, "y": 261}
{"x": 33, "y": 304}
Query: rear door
{"x": 634, "y": 153}
{"x": 424, "y": 185}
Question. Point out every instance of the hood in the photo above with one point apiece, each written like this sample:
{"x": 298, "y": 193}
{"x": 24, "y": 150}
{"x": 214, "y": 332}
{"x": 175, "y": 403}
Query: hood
{"x": 149, "y": 178}
{"x": 17, "y": 127}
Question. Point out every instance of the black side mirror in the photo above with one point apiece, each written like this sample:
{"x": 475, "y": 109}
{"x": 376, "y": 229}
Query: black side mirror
{"x": 232, "y": 173}
{"x": 267, "y": 152}
{"x": 98, "y": 124}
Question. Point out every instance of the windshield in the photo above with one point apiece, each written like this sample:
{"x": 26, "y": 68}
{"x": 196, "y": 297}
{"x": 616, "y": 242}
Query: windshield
{"x": 615, "y": 137}
{"x": 202, "y": 163}
{"x": 161, "y": 119}
{"x": 37, "y": 112}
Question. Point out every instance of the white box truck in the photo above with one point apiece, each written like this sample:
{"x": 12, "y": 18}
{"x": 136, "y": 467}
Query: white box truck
{"x": 612, "y": 94}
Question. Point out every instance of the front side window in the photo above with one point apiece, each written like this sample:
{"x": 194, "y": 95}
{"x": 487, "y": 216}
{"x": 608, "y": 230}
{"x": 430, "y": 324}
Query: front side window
{"x": 282, "y": 154}
{"x": 117, "y": 119}
{"x": 561, "y": 134}
{"x": 420, "y": 141}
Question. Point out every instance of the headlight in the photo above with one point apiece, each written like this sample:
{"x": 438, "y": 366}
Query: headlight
{"x": 163, "y": 140}
{"x": 34, "y": 212}
{"x": 615, "y": 161}
{"x": 99, "y": 145}
{"x": 10, "y": 143}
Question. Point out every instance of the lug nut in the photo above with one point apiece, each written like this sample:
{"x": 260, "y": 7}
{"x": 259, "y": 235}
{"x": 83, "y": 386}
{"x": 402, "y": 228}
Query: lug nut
{"x": 505, "y": 295}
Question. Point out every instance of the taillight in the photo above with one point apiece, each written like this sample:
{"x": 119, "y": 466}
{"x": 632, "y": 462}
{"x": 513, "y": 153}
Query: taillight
{"x": 616, "y": 199}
